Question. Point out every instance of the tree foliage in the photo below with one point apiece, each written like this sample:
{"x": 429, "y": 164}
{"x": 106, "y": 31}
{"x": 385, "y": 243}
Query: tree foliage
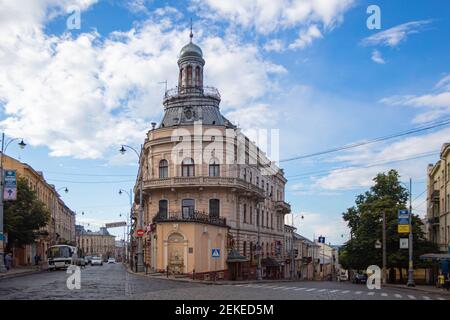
{"x": 24, "y": 216}
{"x": 365, "y": 222}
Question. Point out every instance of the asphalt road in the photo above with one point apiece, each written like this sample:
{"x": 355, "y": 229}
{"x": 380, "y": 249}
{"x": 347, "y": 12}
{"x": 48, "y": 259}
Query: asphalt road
{"x": 112, "y": 281}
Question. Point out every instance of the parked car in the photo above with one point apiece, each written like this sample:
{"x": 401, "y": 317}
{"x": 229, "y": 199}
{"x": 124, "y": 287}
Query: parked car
{"x": 360, "y": 277}
{"x": 96, "y": 261}
{"x": 88, "y": 259}
{"x": 111, "y": 260}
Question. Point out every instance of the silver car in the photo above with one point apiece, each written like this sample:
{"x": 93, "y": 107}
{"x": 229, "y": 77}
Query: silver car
{"x": 96, "y": 261}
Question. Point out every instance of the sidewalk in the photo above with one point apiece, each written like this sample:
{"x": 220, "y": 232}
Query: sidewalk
{"x": 22, "y": 271}
{"x": 422, "y": 288}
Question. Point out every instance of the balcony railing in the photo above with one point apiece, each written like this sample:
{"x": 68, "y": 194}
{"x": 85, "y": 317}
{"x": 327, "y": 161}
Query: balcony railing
{"x": 205, "y": 182}
{"x": 199, "y": 90}
{"x": 282, "y": 206}
{"x": 191, "y": 216}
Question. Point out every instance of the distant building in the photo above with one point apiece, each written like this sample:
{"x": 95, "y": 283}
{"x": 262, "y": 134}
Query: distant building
{"x": 307, "y": 261}
{"x": 61, "y": 227}
{"x": 438, "y": 200}
{"x": 99, "y": 243}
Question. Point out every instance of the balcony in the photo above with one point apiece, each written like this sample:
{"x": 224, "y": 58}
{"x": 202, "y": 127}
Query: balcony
{"x": 435, "y": 196}
{"x": 282, "y": 207}
{"x": 433, "y": 221}
{"x": 193, "y": 216}
{"x": 192, "y": 90}
{"x": 199, "y": 182}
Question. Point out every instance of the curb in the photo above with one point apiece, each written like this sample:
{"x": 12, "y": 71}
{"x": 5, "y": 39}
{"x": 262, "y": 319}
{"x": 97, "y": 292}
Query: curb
{"x": 417, "y": 289}
{"x": 20, "y": 274}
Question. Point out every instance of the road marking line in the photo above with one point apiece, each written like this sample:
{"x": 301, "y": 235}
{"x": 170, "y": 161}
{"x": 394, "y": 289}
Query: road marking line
{"x": 299, "y": 289}
{"x": 384, "y": 294}
{"x": 411, "y": 297}
{"x": 312, "y": 289}
{"x": 398, "y": 295}
{"x": 370, "y": 293}
{"x": 288, "y": 288}
{"x": 358, "y": 292}
{"x": 239, "y": 285}
{"x": 322, "y": 290}
{"x": 332, "y": 291}
{"x": 426, "y": 298}
{"x": 345, "y": 291}
{"x": 277, "y": 288}
{"x": 440, "y": 298}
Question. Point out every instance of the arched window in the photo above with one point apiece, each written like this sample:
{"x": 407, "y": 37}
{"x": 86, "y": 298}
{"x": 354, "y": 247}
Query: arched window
{"x": 214, "y": 208}
{"x": 198, "y": 81}
{"x": 163, "y": 169}
{"x": 214, "y": 168}
{"x": 187, "y": 207}
{"x": 187, "y": 168}
{"x": 180, "y": 78}
{"x": 162, "y": 212}
{"x": 189, "y": 76}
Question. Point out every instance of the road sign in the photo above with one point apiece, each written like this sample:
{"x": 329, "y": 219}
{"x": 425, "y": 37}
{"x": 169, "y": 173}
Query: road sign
{"x": 403, "y": 213}
{"x": 378, "y": 244}
{"x": 403, "y": 228}
{"x": 140, "y": 233}
{"x": 404, "y": 243}
{"x": 215, "y": 253}
{"x": 321, "y": 239}
{"x": 115, "y": 224}
{"x": 403, "y": 220}
{"x": 10, "y": 185}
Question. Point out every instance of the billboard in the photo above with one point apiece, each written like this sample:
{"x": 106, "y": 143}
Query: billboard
{"x": 9, "y": 185}
{"x": 115, "y": 224}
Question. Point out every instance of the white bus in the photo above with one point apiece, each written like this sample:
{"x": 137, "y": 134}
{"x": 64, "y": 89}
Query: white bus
{"x": 62, "y": 256}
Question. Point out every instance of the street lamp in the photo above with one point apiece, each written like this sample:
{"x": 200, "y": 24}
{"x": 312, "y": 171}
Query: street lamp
{"x": 410, "y": 282}
{"x": 22, "y": 145}
{"x": 140, "y": 253}
{"x": 130, "y": 194}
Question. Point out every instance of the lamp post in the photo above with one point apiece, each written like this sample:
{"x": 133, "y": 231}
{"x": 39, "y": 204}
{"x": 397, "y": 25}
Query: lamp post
{"x": 410, "y": 282}
{"x": 2, "y": 237}
{"x": 140, "y": 254}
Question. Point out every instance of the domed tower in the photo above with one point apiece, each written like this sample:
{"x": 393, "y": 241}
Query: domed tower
{"x": 191, "y": 101}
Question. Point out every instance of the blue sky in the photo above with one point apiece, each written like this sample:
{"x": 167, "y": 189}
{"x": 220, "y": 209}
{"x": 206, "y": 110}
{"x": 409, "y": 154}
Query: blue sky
{"x": 310, "y": 68}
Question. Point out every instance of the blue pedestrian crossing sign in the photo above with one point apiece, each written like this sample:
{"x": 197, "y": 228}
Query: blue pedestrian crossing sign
{"x": 215, "y": 253}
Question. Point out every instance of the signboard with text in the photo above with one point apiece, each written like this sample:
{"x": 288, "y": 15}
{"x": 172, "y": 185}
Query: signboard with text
{"x": 10, "y": 185}
{"x": 115, "y": 224}
{"x": 403, "y": 228}
{"x": 404, "y": 243}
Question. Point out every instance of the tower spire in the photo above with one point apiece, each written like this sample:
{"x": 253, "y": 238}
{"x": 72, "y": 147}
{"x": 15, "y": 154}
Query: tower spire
{"x": 191, "y": 35}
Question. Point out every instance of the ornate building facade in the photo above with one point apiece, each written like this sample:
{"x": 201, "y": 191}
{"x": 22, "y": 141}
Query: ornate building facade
{"x": 96, "y": 243}
{"x": 213, "y": 202}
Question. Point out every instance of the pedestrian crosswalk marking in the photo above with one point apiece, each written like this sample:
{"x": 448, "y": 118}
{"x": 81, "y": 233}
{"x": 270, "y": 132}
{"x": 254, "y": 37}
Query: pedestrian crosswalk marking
{"x": 384, "y": 294}
{"x": 440, "y": 298}
{"x": 322, "y": 290}
{"x": 345, "y": 291}
{"x": 332, "y": 291}
{"x": 358, "y": 292}
{"x": 288, "y": 288}
{"x": 412, "y": 297}
{"x": 398, "y": 295}
{"x": 312, "y": 289}
{"x": 426, "y": 298}
{"x": 299, "y": 289}
{"x": 370, "y": 293}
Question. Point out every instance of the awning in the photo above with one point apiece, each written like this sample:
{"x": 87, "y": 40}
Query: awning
{"x": 235, "y": 256}
{"x": 270, "y": 262}
{"x": 435, "y": 256}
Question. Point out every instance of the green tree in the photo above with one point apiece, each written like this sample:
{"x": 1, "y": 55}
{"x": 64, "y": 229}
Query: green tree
{"x": 24, "y": 216}
{"x": 365, "y": 222}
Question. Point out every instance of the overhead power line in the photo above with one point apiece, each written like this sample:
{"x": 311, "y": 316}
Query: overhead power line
{"x": 358, "y": 144}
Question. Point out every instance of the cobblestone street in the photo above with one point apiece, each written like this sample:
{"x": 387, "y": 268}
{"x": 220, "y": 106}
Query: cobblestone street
{"x": 112, "y": 281}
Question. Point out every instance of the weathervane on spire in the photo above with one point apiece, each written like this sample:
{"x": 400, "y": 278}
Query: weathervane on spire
{"x": 191, "y": 35}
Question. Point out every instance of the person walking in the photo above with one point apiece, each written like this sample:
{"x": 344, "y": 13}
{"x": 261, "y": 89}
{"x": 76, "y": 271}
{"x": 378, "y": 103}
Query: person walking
{"x": 8, "y": 261}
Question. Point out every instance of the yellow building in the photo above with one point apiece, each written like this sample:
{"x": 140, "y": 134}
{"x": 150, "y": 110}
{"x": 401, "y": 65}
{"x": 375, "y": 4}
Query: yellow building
{"x": 60, "y": 228}
{"x": 96, "y": 243}
{"x": 207, "y": 189}
{"x": 438, "y": 200}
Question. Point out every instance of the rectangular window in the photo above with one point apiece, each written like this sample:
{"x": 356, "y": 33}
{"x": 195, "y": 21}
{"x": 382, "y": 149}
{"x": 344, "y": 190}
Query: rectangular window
{"x": 251, "y": 215}
{"x": 245, "y": 213}
{"x": 214, "y": 208}
{"x": 187, "y": 207}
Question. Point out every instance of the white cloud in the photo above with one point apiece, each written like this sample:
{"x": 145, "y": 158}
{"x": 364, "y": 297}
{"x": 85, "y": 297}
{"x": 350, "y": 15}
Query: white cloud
{"x": 432, "y": 105}
{"x": 377, "y": 58}
{"x": 395, "y": 35}
{"x": 306, "y": 37}
{"x": 80, "y": 96}
{"x": 275, "y": 45}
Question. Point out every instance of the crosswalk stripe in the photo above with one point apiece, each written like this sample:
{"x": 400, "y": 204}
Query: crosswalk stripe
{"x": 384, "y": 294}
{"x": 277, "y": 288}
{"x": 288, "y": 288}
{"x": 440, "y": 298}
{"x": 370, "y": 293}
{"x": 322, "y": 290}
{"x": 312, "y": 289}
{"x": 298, "y": 289}
{"x": 398, "y": 295}
{"x": 358, "y": 292}
{"x": 332, "y": 291}
{"x": 426, "y": 298}
{"x": 345, "y": 291}
{"x": 411, "y": 297}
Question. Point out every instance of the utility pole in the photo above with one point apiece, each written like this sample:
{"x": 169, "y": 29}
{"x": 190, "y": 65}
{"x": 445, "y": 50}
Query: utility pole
{"x": 410, "y": 282}
{"x": 384, "y": 249}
